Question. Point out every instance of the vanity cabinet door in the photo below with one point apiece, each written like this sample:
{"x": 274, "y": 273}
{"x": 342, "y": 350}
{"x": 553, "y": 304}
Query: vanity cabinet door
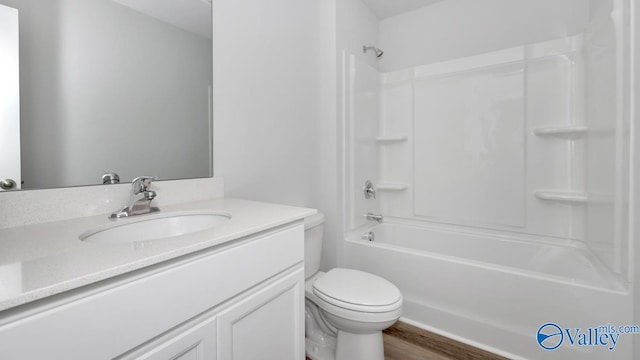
{"x": 268, "y": 324}
{"x": 191, "y": 342}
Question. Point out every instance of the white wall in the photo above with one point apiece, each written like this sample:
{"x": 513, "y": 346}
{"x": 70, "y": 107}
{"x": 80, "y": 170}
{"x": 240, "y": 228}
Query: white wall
{"x": 457, "y": 28}
{"x": 99, "y": 82}
{"x": 274, "y": 104}
{"x": 634, "y": 228}
{"x": 328, "y": 188}
{"x": 358, "y": 104}
{"x": 357, "y": 25}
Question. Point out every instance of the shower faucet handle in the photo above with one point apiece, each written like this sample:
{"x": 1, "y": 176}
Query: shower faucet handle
{"x": 369, "y": 190}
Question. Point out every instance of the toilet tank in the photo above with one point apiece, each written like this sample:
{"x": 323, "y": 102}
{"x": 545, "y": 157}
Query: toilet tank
{"x": 313, "y": 232}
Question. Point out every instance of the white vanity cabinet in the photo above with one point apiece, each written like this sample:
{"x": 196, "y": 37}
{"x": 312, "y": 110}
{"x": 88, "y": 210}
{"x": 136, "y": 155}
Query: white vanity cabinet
{"x": 191, "y": 342}
{"x": 261, "y": 326}
{"x": 240, "y": 300}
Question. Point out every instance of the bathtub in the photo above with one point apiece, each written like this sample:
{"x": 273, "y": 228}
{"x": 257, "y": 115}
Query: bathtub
{"x": 494, "y": 291}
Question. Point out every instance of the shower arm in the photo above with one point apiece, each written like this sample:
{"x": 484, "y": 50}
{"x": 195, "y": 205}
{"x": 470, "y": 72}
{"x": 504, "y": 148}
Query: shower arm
{"x": 376, "y": 50}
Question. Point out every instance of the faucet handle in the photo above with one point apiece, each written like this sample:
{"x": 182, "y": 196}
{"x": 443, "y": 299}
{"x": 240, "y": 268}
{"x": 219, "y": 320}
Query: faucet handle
{"x": 369, "y": 190}
{"x": 149, "y": 195}
{"x": 142, "y": 183}
{"x": 110, "y": 178}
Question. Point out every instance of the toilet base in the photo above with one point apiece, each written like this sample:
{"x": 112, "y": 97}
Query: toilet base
{"x": 319, "y": 351}
{"x": 319, "y": 342}
{"x": 349, "y": 347}
{"x": 359, "y": 346}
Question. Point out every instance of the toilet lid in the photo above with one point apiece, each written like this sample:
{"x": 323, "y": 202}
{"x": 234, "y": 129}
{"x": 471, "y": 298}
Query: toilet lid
{"x": 357, "y": 290}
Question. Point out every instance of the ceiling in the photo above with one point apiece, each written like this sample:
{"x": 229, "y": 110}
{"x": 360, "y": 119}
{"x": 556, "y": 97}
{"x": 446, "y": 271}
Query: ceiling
{"x": 195, "y": 15}
{"x": 388, "y": 8}
{"x": 190, "y": 15}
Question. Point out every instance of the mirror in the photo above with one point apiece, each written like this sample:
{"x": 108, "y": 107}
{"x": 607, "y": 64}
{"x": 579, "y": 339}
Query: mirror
{"x": 108, "y": 86}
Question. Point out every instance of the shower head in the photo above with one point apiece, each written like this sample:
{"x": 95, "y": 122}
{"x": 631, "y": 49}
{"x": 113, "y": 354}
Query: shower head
{"x": 377, "y": 51}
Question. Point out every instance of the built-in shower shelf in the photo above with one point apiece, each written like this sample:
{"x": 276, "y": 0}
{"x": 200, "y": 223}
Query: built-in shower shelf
{"x": 561, "y": 196}
{"x": 392, "y": 187}
{"x": 390, "y": 139}
{"x": 561, "y": 131}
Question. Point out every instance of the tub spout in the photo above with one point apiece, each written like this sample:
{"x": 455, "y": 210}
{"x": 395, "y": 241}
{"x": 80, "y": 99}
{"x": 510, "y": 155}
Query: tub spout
{"x": 374, "y": 217}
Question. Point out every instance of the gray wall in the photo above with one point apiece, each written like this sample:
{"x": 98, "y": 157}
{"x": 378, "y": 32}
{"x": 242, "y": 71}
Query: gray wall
{"x": 88, "y": 107}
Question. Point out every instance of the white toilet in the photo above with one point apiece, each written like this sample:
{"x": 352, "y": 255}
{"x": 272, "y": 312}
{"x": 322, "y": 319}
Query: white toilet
{"x": 345, "y": 310}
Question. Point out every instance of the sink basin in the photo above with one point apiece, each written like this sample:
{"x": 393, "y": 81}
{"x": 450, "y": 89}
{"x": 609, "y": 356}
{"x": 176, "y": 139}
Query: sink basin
{"x": 152, "y": 227}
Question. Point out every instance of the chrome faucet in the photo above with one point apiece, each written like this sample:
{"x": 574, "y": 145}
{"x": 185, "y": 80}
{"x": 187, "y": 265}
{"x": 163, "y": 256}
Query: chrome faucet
{"x": 374, "y": 217}
{"x": 140, "y": 199}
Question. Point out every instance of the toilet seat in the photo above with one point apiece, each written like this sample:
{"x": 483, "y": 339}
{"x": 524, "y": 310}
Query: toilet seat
{"x": 357, "y": 291}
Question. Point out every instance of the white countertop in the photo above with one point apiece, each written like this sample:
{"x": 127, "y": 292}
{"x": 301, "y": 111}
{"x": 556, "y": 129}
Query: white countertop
{"x": 37, "y": 261}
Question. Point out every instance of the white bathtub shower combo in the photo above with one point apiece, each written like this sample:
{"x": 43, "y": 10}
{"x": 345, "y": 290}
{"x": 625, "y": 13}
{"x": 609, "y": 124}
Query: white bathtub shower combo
{"x": 497, "y": 143}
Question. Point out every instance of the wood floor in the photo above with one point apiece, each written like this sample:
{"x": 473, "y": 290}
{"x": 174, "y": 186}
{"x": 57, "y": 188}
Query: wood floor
{"x": 406, "y": 342}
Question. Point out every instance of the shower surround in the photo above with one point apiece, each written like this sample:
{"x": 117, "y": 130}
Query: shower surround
{"x": 501, "y": 172}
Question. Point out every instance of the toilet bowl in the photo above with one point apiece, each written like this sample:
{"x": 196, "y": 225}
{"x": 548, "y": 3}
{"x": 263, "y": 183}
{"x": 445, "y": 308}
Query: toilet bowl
{"x": 345, "y": 309}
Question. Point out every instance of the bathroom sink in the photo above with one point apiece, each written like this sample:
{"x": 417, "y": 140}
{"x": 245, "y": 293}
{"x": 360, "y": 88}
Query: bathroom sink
{"x": 152, "y": 227}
